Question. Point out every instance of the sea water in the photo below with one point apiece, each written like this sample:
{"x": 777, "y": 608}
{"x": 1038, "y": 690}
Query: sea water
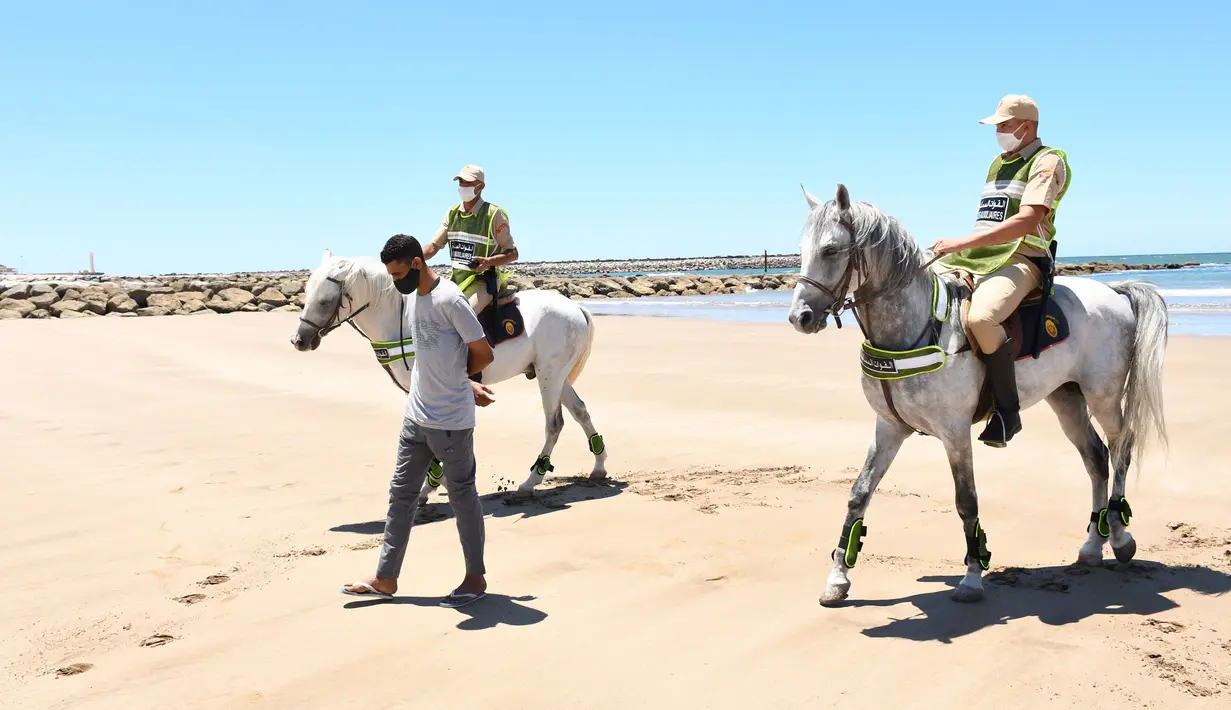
{"x": 1198, "y": 298}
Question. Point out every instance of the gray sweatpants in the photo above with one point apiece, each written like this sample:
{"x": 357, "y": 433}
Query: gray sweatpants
{"x": 455, "y": 449}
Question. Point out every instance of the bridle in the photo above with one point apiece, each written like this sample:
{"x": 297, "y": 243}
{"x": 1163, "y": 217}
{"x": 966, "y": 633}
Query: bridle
{"x": 330, "y": 325}
{"x": 857, "y": 263}
{"x": 322, "y": 331}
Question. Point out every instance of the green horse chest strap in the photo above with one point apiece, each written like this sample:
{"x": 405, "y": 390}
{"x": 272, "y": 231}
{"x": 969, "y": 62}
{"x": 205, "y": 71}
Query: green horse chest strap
{"x": 393, "y": 351}
{"x": 899, "y": 364}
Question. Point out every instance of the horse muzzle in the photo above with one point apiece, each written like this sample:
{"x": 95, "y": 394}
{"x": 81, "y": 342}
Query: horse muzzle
{"x": 306, "y": 344}
{"x": 807, "y": 321}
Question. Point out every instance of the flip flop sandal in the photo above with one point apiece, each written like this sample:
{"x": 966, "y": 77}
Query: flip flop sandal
{"x": 455, "y": 599}
{"x": 365, "y": 590}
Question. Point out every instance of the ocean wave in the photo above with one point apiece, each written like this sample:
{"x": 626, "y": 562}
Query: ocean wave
{"x": 1196, "y": 292}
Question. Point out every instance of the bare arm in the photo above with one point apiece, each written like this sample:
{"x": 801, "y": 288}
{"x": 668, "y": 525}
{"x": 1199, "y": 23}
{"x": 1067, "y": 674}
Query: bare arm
{"x": 479, "y": 356}
{"x": 438, "y": 242}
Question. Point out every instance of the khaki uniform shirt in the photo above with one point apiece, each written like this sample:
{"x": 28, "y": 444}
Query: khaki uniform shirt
{"x": 500, "y": 230}
{"x": 1047, "y": 179}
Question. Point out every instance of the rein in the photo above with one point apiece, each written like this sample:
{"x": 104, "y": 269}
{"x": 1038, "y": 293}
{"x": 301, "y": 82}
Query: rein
{"x": 322, "y": 331}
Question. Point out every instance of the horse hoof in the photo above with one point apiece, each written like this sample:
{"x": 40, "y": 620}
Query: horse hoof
{"x": 1090, "y": 560}
{"x": 598, "y": 475}
{"x": 835, "y": 594}
{"x": 422, "y": 500}
{"x": 1125, "y": 553}
{"x": 967, "y": 595}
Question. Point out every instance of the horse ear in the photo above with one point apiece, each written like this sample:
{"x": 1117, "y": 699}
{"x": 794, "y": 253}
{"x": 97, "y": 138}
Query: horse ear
{"x": 844, "y": 198}
{"x": 812, "y": 201}
{"x": 325, "y": 257}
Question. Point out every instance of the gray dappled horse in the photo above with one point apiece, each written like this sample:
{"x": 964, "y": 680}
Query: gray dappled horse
{"x": 1111, "y": 363}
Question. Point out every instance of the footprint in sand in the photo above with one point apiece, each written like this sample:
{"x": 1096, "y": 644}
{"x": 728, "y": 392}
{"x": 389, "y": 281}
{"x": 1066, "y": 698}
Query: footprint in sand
{"x": 1167, "y": 627}
{"x": 190, "y": 598}
{"x": 158, "y": 640}
{"x": 309, "y": 552}
{"x": 74, "y": 669}
{"x": 1028, "y": 579}
{"x": 214, "y": 579}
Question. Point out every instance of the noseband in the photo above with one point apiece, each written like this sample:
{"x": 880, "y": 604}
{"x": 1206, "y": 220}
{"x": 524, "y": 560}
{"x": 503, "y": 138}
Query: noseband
{"x": 323, "y": 330}
{"x": 855, "y": 263}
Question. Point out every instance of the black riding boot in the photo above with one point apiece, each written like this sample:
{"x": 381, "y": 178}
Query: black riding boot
{"x": 1004, "y": 421}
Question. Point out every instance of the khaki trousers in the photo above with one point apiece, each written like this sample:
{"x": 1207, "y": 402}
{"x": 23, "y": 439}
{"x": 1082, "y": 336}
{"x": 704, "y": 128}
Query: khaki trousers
{"x": 479, "y": 299}
{"x": 995, "y": 297}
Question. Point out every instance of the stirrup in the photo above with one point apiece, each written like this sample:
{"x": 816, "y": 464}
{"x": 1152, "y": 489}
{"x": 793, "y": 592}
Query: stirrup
{"x": 996, "y": 434}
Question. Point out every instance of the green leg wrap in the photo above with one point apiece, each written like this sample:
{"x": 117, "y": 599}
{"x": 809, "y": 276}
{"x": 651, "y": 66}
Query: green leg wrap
{"x": 543, "y": 466}
{"x": 976, "y": 547}
{"x": 851, "y": 541}
{"x": 597, "y": 447}
{"x": 1121, "y": 506}
{"x": 435, "y": 472}
{"x": 1099, "y": 520}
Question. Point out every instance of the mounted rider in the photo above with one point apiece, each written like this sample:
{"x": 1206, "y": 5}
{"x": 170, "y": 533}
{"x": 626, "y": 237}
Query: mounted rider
{"x": 479, "y": 241}
{"x": 1011, "y": 247}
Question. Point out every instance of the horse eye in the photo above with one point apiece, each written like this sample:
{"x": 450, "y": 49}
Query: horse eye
{"x": 829, "y": 251}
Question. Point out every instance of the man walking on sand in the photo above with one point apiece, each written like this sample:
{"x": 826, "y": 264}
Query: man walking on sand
{"x": 439, "y": 420}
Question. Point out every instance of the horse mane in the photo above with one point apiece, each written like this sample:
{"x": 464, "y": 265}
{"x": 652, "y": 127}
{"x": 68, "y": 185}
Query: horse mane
{"x": 359, "y": 275}
{"x": 892, "y": 255}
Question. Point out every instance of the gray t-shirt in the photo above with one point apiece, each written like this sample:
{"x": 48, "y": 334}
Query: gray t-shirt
{"x": 441, "y": 324}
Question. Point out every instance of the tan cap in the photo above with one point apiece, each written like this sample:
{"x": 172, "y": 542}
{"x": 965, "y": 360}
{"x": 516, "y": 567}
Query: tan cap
{"x": 470, "y": 172}
{"x": 1014, "y": 106}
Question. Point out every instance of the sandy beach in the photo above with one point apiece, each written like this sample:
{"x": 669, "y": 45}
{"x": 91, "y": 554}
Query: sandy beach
{"x": 195, "y": 485}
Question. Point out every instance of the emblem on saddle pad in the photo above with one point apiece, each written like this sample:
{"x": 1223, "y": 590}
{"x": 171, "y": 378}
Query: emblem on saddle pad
{"x": 509, "y": 326}
{"x": 1050, "y": 325}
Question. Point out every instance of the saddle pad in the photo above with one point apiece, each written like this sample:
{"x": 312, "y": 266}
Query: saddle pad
{"x": 503, "y": 322}
{"x": 1023, "y": 327}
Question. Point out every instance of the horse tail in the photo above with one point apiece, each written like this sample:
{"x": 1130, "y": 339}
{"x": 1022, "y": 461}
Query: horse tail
{"x": 585, "y": 354}
{"x": 1143, "y": 392}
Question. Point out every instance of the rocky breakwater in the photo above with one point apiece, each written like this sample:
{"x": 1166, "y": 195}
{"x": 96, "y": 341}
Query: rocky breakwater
{"x": 284, "y": 291}
{"x": 1101, "y": 267}
{"x": 158, "y": 296}
{"x": 584, "y": 288}
{"x": 615, "y": 266}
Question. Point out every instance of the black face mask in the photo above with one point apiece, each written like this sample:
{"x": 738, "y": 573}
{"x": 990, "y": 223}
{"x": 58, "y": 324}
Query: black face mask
{"x": 409, "y": 283}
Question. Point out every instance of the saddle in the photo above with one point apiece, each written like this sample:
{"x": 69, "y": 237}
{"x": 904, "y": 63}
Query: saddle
{"x": 501, "y": 319}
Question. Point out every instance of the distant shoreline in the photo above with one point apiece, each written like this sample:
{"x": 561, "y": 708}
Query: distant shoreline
{"x": 87, "y": 295}
{"x": 588, "y": 268}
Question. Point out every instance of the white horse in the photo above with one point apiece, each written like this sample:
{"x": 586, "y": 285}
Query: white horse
{"x": 1111, "y": 362}
{"x": 554, "y": 347}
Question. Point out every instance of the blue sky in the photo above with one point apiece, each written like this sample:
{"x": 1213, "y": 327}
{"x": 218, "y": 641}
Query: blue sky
{"x": 232, "y": 136}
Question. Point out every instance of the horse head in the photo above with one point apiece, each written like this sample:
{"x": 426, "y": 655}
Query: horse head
{"x": 338, "y": 290}
{"x": 827, "y": 254}
{"x": 849, "y": 248}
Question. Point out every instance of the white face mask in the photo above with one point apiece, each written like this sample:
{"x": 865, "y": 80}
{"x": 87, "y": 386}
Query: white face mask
{"x": 1008, "y": 141}
{"x": 466, "y": 193}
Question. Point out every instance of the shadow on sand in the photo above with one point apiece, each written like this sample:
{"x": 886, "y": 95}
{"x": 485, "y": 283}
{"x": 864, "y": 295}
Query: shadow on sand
{"x": 567, "y": 491}
{"x": 487, "y": 613}
{"x": 1054, "y": 595}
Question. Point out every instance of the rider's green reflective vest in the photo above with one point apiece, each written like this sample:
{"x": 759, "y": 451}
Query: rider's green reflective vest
{"x": 470, "y": 236}
{"x": 1002, "y": 198}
